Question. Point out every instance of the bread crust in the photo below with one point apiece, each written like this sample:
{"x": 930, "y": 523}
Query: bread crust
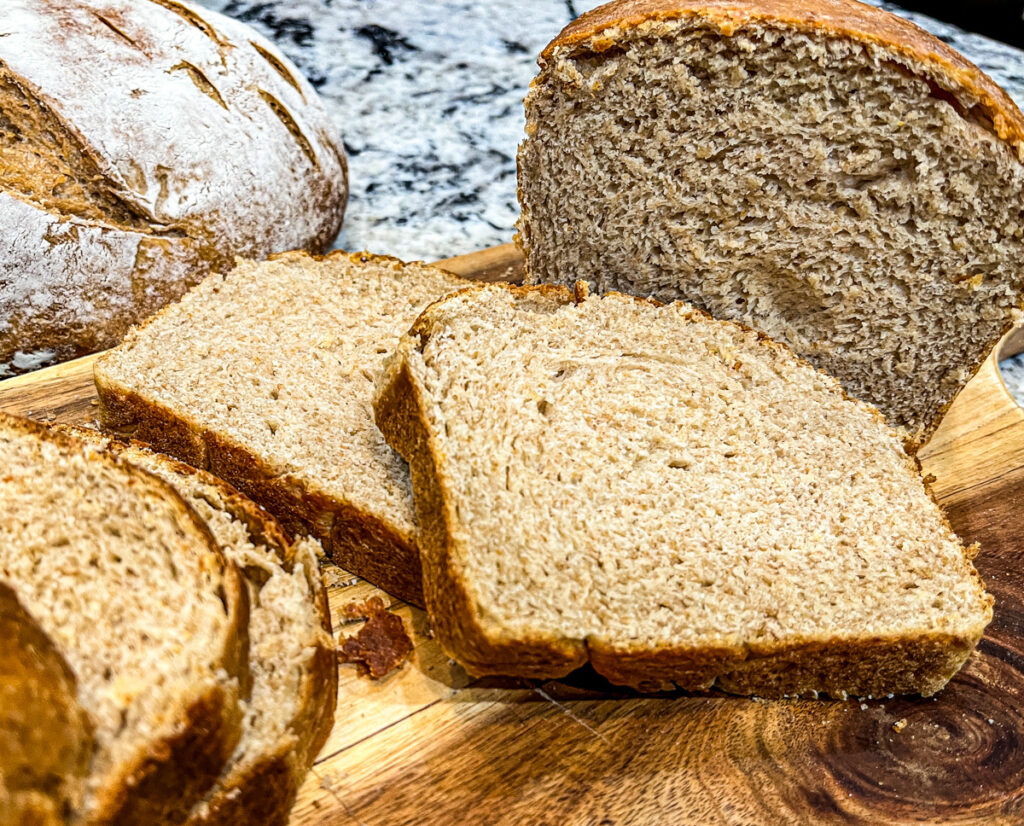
{"x": 248, "y": 164}
{"x": 351, "y": 537}
{"x": 921, "y": 52}
{"x": 263, "y": 791}
{"x": 163, "y": 783}
{"x": 839, "y": 667}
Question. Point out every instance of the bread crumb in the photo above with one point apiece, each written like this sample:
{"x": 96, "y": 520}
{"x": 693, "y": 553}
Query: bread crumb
{"x": 381, "y": 645}
{"x": 899, "y": 725}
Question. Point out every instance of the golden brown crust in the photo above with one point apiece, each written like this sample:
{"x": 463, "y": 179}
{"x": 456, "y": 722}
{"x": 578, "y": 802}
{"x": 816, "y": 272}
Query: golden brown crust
{"x": 919, "y": 51}
{"x": 46, "y": 737}
{"x": 838, "y": 667}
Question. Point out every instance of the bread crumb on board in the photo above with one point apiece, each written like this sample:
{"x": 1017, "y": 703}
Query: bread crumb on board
{"x": 381, "y": 645}
{"x": 899, "y": 725}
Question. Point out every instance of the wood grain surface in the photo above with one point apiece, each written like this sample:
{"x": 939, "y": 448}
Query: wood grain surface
{"x": 427, "y": 745}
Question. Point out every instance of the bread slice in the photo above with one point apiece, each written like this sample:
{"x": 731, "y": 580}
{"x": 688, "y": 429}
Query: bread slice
{"x": 674, "y": 499}
{"x": 821, "y": 170}
{"x": 273, "y": 395}
{"x": 46, "y": 737}
{"x": 291, "y": 652}
{"x": 131, "y": 588}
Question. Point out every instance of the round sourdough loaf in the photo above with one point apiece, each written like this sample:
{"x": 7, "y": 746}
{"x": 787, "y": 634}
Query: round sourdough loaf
{"x": 143, "y": 144}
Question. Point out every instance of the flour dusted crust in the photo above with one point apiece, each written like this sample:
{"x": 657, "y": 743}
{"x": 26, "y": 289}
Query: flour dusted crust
{"x": 194, "y": 140}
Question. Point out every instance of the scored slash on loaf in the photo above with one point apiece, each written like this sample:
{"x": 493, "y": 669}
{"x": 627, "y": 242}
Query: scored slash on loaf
{"x": 677, "y": 500}
{"x": 821, "y": 170}
{"x": 274, "y": 396}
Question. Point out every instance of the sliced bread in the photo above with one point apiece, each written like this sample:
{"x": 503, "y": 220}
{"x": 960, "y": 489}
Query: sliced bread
{"x": 676, "y": 500}
{"x": 46, "y": 737}
{"x": 821, "y": 170}
{"x": 137, "y": 598}
{"x": 292, "y": 656}
{"x": 264, "y": 376}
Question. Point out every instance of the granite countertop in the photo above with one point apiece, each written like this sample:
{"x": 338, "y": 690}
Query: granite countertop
{"x": 428, "y": 97}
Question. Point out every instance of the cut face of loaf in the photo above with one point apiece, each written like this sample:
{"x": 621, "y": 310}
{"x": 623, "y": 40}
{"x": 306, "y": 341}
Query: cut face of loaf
{"x": 677, "y": 500}
{"x": 265, "y": 376}
{"x": 45, "y": 735}
{"x": 130, "y": 587}
{"x": 290, "y": 711}
{"x": 824, "y": 172}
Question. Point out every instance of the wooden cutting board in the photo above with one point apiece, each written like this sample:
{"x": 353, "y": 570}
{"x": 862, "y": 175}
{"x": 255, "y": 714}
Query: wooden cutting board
{"x": 427, "y": 745}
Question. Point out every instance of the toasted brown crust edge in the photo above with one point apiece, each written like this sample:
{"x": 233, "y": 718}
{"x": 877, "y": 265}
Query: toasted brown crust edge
{"x": 265, "y": 792}
{"x": 873, "y": 667}
{"x": 46, "y": 737}
{"x": 163, "y": 785}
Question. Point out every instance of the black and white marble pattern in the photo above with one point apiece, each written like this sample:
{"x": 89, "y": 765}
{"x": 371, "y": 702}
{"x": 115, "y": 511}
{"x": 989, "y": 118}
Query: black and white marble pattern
{"x": 428, "y": 96}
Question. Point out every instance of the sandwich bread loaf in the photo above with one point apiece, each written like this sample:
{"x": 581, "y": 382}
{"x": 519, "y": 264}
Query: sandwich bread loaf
{"x": 821, "y": 170}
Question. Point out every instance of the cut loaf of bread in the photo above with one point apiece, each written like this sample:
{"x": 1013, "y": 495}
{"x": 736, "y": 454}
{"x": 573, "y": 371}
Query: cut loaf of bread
{"x": 292, "y": 658}
{"x": 821, "y": 170}
{"x": 135, "y": 595}
{"x": 676, "y": 500}
{"x": 264, "y": 376}
{"x": 46, "y": 737}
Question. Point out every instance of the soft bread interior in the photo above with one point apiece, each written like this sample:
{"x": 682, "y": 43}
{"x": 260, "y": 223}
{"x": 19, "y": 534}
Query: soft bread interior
{"x": 821, "y": 190}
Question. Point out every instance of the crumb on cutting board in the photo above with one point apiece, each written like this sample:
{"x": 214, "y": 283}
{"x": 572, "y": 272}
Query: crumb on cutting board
{"x": 381, "y": 645}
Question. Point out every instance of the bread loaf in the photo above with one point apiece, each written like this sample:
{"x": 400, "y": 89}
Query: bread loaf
{"x": 144, "y": 143}
{"x": 274, "y": 397}
{"x": 677, "y": 500}
{"x": 821, "y": 170}
{"x": 289, "y": 713}
{"x": 136, "y": 597}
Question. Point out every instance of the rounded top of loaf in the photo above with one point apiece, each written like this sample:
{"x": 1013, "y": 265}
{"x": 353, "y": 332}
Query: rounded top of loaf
{"x": 973, "y": 92}
{"x": 196, "y": 126}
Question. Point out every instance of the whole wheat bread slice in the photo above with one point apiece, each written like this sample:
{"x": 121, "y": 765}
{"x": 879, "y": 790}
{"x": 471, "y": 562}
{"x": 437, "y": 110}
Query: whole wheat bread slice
{"x": 264, "y": 377}
{"x": 46, "y": 738}
{"x": 134, "y": 593}
{"x": 822, "y": 170}
{"x": 674, "y": 499}
{"x": 290, "y": 711}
